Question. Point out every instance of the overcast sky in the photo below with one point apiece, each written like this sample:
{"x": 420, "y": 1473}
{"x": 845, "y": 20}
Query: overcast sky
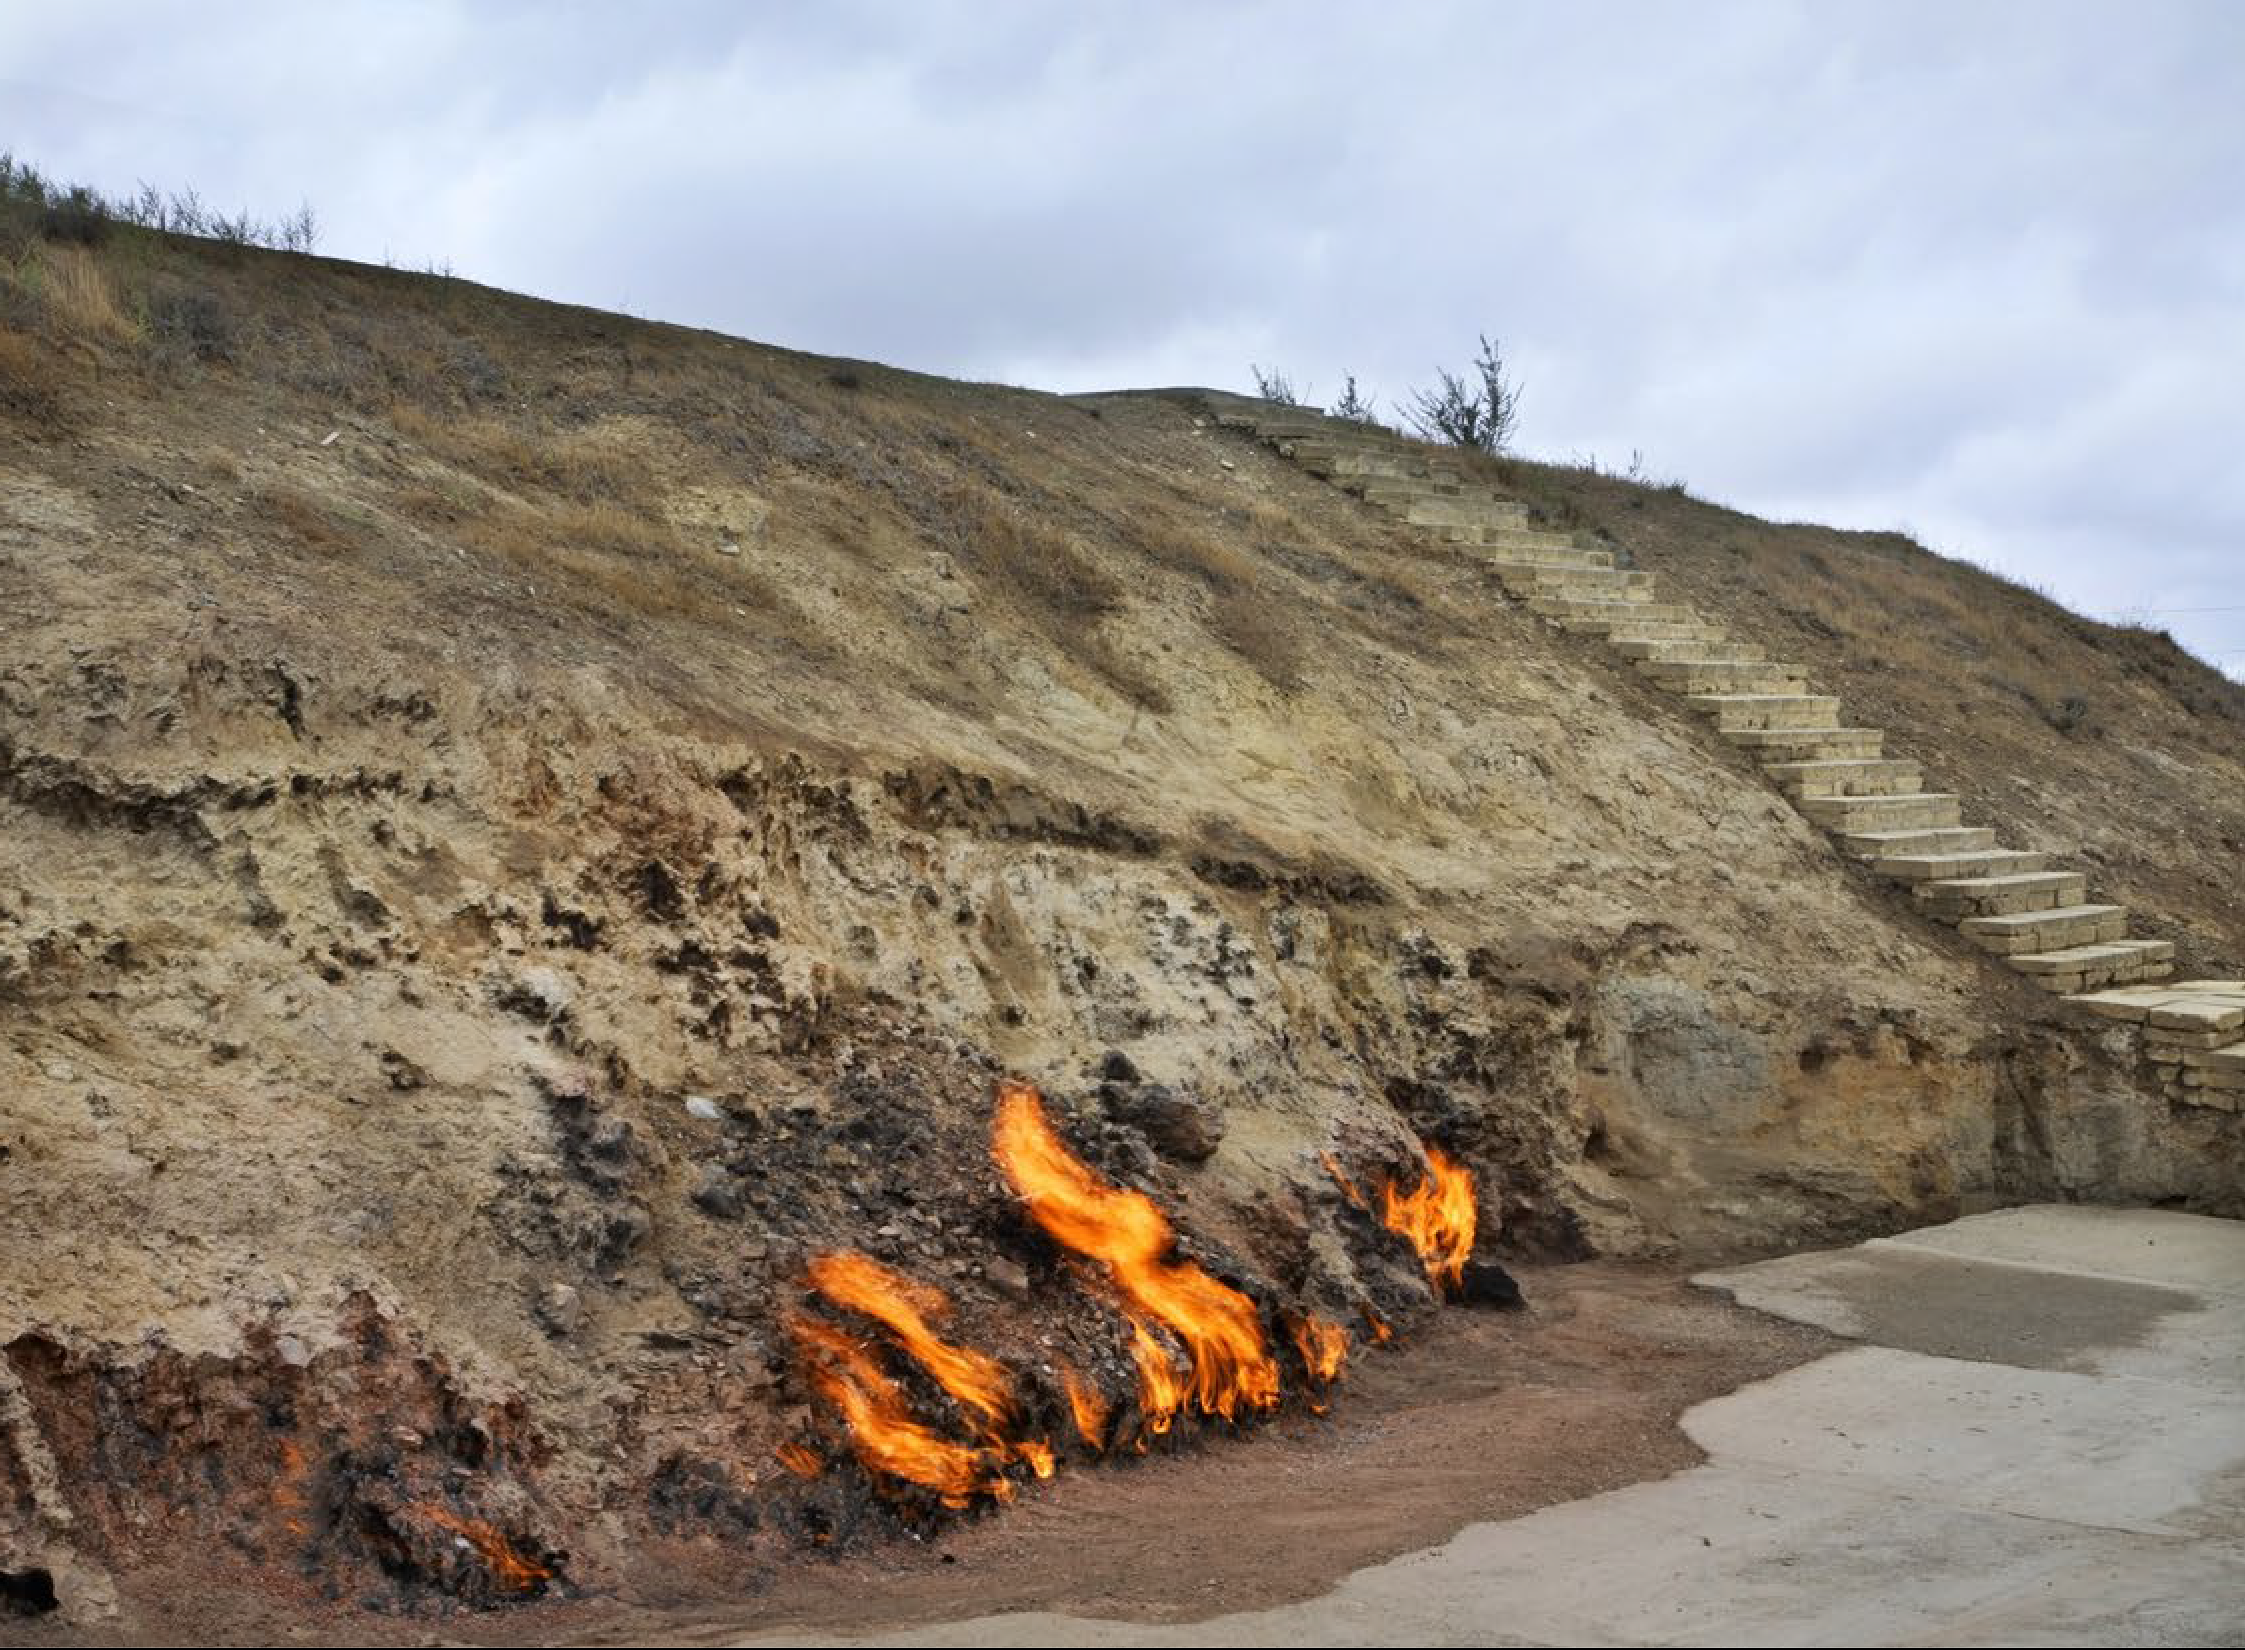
{"x": 1975, "y": 271}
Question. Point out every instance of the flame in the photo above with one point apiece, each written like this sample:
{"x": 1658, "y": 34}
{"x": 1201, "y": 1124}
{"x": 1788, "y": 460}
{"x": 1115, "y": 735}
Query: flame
{"x": 1162, "y": 1390}
{"x": 1381, "y": 1333}
{"x": 509, "y": 1569}
{"x": 800, "y": 1459}
{"x": 1438, "y": 1218}
{"x": 979, "y": 1382}
{"x": 1348, "y": 1186}
{"x": 1324, "y": 1347}
{"x": 1039, "y": 1456}
{"x": 1089, "y": 1405}
{"x": 882, "y": 1432}
{"x": 288, "y": 1489}
{"x": 1232, "y": 1369}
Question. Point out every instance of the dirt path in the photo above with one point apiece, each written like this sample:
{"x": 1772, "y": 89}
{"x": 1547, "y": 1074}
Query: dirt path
{"x": 1486, "y": 1416}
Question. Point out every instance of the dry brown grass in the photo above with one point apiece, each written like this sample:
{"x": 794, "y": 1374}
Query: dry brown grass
{"x": 585, "y": 465}
{"x": 30, "y": 379}
{"x": 80, "y": 300}
{"x": 302, "y": 518}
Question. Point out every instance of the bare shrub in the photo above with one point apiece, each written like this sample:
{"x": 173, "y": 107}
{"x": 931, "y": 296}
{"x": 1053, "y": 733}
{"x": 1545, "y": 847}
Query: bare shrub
{"x": 1478, "y": 409}
{"x": 1274, "y": 386}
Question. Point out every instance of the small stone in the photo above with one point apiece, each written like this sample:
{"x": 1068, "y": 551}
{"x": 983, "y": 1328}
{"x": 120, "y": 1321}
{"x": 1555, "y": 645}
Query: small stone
{"x": 1175, "y": 1122}
{"x": 1008, "y": 1277}
{"x": 718, "y": 1194}
{"x": 1485, "y": 1283}
{"x": 559, "y": 1309}
{"x": 728, "y": 548}
{"x": 703, "y": 1107}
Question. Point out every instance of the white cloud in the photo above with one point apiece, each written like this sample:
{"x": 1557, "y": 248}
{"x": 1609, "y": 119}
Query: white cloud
{"x": 1981, "y": 270}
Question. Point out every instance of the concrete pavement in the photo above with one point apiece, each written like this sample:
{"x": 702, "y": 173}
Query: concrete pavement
{"x": 2041, "y": 1441}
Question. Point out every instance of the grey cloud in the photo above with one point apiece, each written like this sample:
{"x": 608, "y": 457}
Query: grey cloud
{"x": 1978, "y": 270}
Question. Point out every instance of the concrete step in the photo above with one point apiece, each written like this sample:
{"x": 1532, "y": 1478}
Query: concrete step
{"x": 1519, "y": 538}
{"x": 1911, "y": 811}
{"x": 2212, "y": 1009}
{"x": 1618, "y": 631}
{"x": 1585, "y": 615}
{"x": 2072, "y": 968}
{"x": 1396, "y": 492}
{"x": 1458, "y": 512}
{"x": 1954, "y": 898}
{"x": 1904, "y": 844}
{"x": 1846, "y": 776}
{"x": 1809, "y": 745}
{"x": 1560, "y": 556}
{"x": 1724, "y": 675}
{"x": 1735, "y": 711}
{"x": 1989, "y": 862}
{"x": 1340, "y": 463}
{"x": 1672, "y": 647}
{"x": 2035, "y": 932}
{"x": 1608, "y": 583}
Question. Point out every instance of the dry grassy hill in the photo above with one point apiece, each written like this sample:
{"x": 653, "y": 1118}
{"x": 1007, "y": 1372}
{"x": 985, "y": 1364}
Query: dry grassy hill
{"x": 519, "y": 826}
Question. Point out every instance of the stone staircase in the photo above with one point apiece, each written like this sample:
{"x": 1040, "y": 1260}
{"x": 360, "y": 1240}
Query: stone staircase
{"x": 2010, "y": 902}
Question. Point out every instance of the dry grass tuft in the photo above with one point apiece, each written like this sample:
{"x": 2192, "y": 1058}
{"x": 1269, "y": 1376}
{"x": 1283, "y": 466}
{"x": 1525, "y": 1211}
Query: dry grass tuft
{"x": 302, "y": 518}
{"x": 81, "y": 303}
{"x": 30, "y": 379}
{"x": 584, "y": 465}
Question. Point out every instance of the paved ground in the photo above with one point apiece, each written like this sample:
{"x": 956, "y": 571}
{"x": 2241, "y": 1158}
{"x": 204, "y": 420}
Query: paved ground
{"x": 2041, "y": 1441}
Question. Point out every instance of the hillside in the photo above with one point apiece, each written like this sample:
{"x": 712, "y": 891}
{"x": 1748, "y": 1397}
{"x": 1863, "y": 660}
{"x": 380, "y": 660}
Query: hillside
{"x": 519, "y": 827}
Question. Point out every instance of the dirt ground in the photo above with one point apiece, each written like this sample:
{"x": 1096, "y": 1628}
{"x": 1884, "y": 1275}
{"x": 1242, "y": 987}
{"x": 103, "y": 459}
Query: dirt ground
{"x": 1489, "y": 1415}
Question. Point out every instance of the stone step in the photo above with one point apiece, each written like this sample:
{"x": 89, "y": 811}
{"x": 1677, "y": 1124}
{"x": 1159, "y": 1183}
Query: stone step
{"x": 1560, "y": 556}
{"x": 2072, "y": 968}
{"x": 1846, "y": 776}
{"x": 1618, "y": 631}
{"x": 1724, "y": 675}
{"x": 1952, "y": 839}
{"x": 1518, "y": 538}
{"x": 2215, "y": 1007}
{"x": 1395, "y": 492}
{"x": 1341, "y": 463}
{"x": 1911, "y": 811}
{"x": 1990, "y": 862}
{"x": 2010, "y": 894}
{"x": 1672, "y": 647}
{"x": 2034, "y": 932}
{"x": 1607, "y": 582}
{"x": 1809, "y": 744}
{"x": 1458, "y": 512}
{"x": 1735, "y": 711}
{"x": 1585, "y": 614}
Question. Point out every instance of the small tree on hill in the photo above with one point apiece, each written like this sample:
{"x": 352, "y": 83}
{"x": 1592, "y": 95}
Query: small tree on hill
{"x": 1480, "y": 409}
{"x": 1355, "y": 407}
{"x": 1274, "y": 386}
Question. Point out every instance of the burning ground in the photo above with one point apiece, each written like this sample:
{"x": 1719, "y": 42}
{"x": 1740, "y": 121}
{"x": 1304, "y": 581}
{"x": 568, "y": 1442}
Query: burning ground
{"x": 530, "y": 845}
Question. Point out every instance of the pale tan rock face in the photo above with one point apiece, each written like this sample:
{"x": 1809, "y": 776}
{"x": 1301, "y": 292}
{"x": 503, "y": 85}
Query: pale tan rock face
{"x": 428, "y": 923}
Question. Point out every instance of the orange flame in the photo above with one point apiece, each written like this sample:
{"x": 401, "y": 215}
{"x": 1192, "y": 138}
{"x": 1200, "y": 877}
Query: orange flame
{"x": 882, "y": 1431}
{"x": 509, "y": 1569}
{"x": 1162, "y": 1390}
{"x": 1089, "y": 1405}
{"x": 1381, "y": 1333}
{"x": 800, "y": 1459}
{"x": 1232, "y": 1369}
{"x": 903, "y": 1307}
{"x": 1324, "y": 1347}
{"x": 1438, "y": 1218}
